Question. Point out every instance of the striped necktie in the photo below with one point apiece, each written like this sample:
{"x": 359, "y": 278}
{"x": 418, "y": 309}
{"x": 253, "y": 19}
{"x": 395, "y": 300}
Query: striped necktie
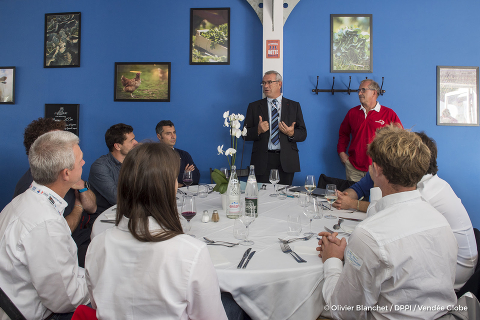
{"x": 274, "y": 131}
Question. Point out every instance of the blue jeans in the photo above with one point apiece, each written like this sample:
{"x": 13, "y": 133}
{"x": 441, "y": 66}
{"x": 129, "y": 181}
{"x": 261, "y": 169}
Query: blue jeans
{"x": 232, "y": 309}
{"x": 65, "y": 316}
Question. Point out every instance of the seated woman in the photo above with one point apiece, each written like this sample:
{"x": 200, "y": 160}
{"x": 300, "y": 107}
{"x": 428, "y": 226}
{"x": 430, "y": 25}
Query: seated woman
{"x": 146, "y": 267}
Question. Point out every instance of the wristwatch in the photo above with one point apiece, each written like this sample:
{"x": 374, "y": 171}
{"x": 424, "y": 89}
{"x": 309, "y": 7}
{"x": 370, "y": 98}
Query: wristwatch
{"x": 87, "y": 187}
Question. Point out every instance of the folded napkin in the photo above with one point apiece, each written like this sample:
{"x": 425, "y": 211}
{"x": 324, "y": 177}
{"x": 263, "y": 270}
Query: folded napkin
{"x": 217, "y": 258}
{"x": 110, "y": 215}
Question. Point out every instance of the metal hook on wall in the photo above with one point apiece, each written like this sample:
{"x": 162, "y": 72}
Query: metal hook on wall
{"x": 348, "y": 90}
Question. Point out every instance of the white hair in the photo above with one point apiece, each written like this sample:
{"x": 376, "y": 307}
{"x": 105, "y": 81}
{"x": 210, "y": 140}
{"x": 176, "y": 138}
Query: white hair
{"x": 51, "y": 153}
{"x": 278, "y": 76}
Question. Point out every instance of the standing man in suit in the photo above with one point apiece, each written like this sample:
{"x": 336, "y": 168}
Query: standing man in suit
{"x": 275, "y": 125}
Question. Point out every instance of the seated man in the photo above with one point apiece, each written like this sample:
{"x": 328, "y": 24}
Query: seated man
{"x": 166, "y": 133}
{"x": 441, "y": 196}
{"x": 81, "y": 201}
{"x": 39, "y": 268}
{"x": 104, "y": 171}
{"x": 403, "y": 255}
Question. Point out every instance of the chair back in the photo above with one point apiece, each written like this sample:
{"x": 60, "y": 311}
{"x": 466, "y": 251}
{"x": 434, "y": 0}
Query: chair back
{"x": 84, "y": 313}
{"x": 10, "y": 309}
{"x": 340, "y": 183}
{"x": 473, "y": 284}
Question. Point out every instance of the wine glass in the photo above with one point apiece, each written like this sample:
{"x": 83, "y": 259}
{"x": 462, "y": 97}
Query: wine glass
{"x": 274, "y": 179}
{"x": 310, "y": 186}
{"x": 310, "y": 211}
{"x": 187, "y": 179}
{"x": 189, "y": 210}
{"x": 248, "y": 217}
{"x": 331, "y": 196}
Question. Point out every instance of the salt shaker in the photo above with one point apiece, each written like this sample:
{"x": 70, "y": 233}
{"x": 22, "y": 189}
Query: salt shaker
{"x": 215, "y": 216}
{"x": 205, "y": 216}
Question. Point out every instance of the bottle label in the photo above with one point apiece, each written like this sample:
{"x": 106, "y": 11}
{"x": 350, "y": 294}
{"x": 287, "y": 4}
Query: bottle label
{"x": 234, "y": 207}
{"x": 252, "y": 180}
{"x": 252, "y": 202}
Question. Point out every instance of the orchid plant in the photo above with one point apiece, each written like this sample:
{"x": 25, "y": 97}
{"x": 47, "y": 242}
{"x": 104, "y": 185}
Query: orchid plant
{"x": 231, "y": 121}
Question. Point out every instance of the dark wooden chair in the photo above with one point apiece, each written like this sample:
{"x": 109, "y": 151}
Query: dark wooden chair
{"x": 473, "y": 284}
{"x": 10, "y": 309}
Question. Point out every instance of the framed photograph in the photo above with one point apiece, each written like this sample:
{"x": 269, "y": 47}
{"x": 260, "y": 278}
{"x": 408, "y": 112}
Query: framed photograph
{"x": 62, "y": 40}
{"x": 66, "y": 112}
{"x": 351, "y": 43}
{"x": 210, "y": 36}
{"x": 142, "y": 81}
{"x": 7, "y": 85}
{"x": 457, "y": 96}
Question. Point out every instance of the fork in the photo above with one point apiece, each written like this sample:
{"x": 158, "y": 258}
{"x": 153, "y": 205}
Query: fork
{"x": 219, "y": 242}
{"x": 338, "y": 231}
{"x": 296, "y": 239}
{"x": 286, "y": 249}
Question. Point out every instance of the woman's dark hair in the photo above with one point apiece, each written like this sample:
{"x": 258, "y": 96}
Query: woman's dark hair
{"x": 146, "y": 187}
{"x": 432, "y": 145}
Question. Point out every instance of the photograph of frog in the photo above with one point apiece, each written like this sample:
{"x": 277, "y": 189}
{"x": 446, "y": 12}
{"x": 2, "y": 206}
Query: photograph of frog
{"x": 62, "y": 40}
{"x": 210, "y": 36}
{"x": 351, "y": 43}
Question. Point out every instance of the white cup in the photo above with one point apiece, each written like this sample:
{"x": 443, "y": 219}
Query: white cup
{"x": 294, "y": 225}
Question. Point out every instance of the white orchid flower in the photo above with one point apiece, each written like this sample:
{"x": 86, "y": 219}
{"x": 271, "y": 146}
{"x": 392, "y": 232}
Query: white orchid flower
{"x": 244, "y": 131}
{"x": 220, "y": 149}
{"x": 234, "y": 131}
{"x": 225, "y": 123}
{"x": 225, "y": 114}
{"x": 236, "y": 124}
{"x": 240, "y": 117}
{"x": 232, "y": 117}
{"x": 230, "y": 152}
{"x": 238, "y": 133}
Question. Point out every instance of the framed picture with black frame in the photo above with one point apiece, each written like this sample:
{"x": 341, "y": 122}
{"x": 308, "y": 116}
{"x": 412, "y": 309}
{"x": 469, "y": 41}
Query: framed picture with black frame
{"x": 457, "y": 96}
{"x": 142, "y": 81}
{"x": 7, "y": 85}
{"x": 351, "y": 43}
{"x": 62, "y": 40}
{"x": 210, "y": 36}
{"x": 70, "y": 113}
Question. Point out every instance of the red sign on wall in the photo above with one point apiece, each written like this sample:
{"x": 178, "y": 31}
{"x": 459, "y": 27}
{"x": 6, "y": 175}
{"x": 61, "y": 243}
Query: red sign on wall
{"x": 273, "y": 49}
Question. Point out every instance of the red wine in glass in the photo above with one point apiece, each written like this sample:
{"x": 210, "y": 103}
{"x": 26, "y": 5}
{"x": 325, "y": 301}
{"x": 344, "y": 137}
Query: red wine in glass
{"x": 187, "y": 179}
{"x": 187, "y": 182}
{"x": 188, "y": 215}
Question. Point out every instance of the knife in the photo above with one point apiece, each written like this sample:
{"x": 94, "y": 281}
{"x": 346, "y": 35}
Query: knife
{"x": 243, "y": 258}
{"x": 248, "y": 260}
{"x": 351, "y": 219}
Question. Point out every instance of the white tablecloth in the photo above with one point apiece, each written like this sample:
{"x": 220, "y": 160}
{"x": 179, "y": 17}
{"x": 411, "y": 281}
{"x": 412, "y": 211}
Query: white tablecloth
{"x": 274, "y": 285}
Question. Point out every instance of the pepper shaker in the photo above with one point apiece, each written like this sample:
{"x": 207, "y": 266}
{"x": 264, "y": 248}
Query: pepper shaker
{"x": 215, "y": 216}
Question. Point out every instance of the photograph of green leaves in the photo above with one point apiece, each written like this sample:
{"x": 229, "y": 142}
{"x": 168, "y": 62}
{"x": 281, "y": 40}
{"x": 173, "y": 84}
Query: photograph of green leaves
{"x": 209, "y": 38}
{"x": 351, "y": 43}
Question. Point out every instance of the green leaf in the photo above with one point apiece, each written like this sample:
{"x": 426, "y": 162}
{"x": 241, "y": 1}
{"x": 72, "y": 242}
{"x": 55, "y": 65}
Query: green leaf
{"x": 220, "y": 180}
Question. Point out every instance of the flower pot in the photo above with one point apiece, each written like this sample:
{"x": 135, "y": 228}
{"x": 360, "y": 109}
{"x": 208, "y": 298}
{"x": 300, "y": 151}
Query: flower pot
{"x": 204, "y": 43}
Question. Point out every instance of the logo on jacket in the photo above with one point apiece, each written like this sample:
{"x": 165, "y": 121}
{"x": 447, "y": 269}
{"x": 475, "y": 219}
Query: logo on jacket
{"x": 381, "y": 122}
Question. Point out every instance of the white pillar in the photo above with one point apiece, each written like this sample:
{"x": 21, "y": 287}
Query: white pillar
{"x": 273, "y": 35}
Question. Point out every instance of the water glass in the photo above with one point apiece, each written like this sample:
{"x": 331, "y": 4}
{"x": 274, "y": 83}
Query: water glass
{"x": 202, "y": 190}
{"x": 294, "y": 225}
{"x": 240, "y": 231}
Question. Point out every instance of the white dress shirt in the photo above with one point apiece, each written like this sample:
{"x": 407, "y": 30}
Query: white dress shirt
{"x": 39, "y": 268}
{"x": 403, "y": 255}
{"x": 442, "y": 197}
{"x": 172, "y": 279}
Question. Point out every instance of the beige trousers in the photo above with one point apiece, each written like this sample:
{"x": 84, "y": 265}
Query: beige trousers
{"x": 353, "y": 174}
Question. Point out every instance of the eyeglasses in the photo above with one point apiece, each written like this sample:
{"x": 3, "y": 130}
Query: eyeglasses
{"x": 362, "y": 90}
{"x": 267, "y": 82}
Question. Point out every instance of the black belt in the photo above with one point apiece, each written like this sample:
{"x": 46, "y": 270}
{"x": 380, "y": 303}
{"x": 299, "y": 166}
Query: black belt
{"x": 50, "y": 316}
{"x": 274, "y": 151}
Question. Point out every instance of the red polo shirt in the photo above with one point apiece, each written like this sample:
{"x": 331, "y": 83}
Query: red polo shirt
{"x": 363, "y": 131}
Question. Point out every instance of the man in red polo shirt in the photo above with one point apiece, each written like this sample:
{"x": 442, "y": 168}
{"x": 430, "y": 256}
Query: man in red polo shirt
{"x": 362, "y": 122}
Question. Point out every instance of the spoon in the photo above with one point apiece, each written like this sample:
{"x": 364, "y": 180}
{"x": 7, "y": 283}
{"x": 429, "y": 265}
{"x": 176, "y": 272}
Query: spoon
{"x": 337, "y": 225}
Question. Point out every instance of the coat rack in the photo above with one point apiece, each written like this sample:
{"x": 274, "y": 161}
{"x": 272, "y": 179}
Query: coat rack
{"x": 316, "y": 90}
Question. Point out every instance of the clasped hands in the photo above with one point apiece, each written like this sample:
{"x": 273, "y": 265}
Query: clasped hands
{"x": 330, "y": 246}
{"x": 263, "y": 126}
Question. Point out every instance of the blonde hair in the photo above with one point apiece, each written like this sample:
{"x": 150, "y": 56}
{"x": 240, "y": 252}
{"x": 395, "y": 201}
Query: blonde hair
{"x": 401, "y": 154}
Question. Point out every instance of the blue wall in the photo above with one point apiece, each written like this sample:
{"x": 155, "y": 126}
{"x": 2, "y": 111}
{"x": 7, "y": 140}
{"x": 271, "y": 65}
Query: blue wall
{"x": 410, "y": 38}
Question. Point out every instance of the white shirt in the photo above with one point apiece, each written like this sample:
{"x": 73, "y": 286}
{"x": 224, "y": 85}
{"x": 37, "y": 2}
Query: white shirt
{"x": 39, "y": 268}
{"x": 441, "y": 196}
{"x": 405, "y": 254}
{"x": 376, "y": 108}
{"x": 172, "y": 279}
